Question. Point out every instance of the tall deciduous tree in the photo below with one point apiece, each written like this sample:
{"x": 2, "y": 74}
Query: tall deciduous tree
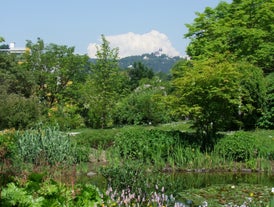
{"x": 104, "y": 85}
{"x": 217, "y": 94}
{"x": 18, "y": 108}
{"x": 55, "y": 68}
{"x": 243, "y": 29}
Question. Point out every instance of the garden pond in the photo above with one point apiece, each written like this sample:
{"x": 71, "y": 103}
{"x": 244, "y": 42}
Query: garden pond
{"x": 217, "y": 189}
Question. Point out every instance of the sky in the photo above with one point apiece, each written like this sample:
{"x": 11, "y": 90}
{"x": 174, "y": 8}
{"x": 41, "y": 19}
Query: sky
{"x": 135, "y": 27}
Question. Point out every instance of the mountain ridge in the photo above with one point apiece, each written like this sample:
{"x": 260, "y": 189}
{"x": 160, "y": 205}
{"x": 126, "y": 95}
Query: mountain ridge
{"x": 157, "y": 61}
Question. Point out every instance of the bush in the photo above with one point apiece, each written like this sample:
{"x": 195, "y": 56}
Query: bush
{"x": 49, "y": 193}
{"x": 17, "y": 111}
{"x": 264, "y": 143}
{"x": 66, "y": 116}
{"x": 152, "y": 146}
{"x": 238, "y": 146}
{"x": 97, "y": 138}
{"x": 7, "y": 156}
{"x": 45, "y": 144}
{"x": 7, "y": 145}
{"x": 145, "y": 106}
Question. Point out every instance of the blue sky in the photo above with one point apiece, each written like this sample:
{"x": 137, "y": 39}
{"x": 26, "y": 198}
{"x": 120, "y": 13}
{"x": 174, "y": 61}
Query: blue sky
{"x": 80, "y": 23}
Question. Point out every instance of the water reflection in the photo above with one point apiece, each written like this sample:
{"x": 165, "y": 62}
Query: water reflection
{"x": 201, "y": 180}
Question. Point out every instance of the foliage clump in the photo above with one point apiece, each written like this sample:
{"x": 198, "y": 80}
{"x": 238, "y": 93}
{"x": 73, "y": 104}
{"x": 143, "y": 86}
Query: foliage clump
{"x": 267, "y": 119}
{"x": 17, "y": 111}
{"x": 41, "y": 192}
{"x": 45, "y": 145}
{"x": 142, "y": 107}
{"x": 148, "y": 146}
{"x": 238, "y": 146}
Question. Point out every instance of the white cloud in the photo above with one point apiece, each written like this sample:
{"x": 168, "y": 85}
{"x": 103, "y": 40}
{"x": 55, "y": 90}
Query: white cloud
{"x": 138, "y": 44}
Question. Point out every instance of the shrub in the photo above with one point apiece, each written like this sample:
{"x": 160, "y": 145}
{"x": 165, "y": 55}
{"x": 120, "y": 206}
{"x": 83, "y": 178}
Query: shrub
{"x": 7, "y": 145}
{"x": 97, "y": 138}
{"x": 151, "y": 146}
{"x": 45, "y": 144}
{"x": 49, "y": 193}
{"x": 238, "y": 146}
{"x": 17, "y": 111}
{"x": 7, "y": 156}
{"x": 66, "y": 116}
{"x": 264, "y": 143}
{"x": 145, "y": 106}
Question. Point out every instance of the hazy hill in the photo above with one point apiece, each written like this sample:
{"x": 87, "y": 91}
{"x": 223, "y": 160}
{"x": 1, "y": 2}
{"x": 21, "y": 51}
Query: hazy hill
{"x": 156, "y": 61}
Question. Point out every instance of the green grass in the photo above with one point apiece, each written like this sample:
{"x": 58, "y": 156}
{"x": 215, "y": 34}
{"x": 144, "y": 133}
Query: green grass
{"x": 105, "y": 137}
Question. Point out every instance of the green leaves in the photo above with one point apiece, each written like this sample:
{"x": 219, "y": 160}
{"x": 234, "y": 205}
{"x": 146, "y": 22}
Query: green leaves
{"x": 239, "y": 147}
{"x": 45, "y": 145}
{"x": 242, "y": 29}
{"x": 210, "y": 90}
{"x": 89, "y": 196}
{"x": 219, "y": 94}
{"x": 103, "y": 86}
{"x": 51, "y": 194}
{"x": 16, "y": 196}
{"x": 55, "y": 68}
{"x": 148, "y": 146}
{"x": 17, "y": 111}
{"x": 143, "y": 106}
{"x": 267, "y": 120}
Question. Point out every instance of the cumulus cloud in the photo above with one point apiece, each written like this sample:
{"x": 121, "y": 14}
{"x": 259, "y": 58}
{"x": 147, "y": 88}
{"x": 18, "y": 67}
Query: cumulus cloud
{"x": 137, "y": 44}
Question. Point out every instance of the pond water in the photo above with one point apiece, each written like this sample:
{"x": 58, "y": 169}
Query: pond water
{"x": 202, "y": 180}
{"x": 183, "y": 181}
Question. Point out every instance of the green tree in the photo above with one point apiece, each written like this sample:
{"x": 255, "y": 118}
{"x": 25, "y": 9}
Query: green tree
{"x": 243, "y": 29}
{"x": 13, "y": 76}
{"x": 56, "y": 68}
{"x": 54, "y": 74}
{"x": 145, "y": 105}
{"x": 4, "y": 46}
{"x": 137, "y": 72}
{"x": 217, "y": 94}
{"x": 253, "y": 99}
{"x": 104, "y": 86}
{"x": 6, "y": 65}
{"x": 17, "y": 111}
{"x": 18, "y": 108}
{"x": 267, "y": 120}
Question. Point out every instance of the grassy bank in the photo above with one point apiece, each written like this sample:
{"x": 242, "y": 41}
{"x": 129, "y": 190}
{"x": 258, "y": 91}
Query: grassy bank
{"x": 177, "y": 147}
